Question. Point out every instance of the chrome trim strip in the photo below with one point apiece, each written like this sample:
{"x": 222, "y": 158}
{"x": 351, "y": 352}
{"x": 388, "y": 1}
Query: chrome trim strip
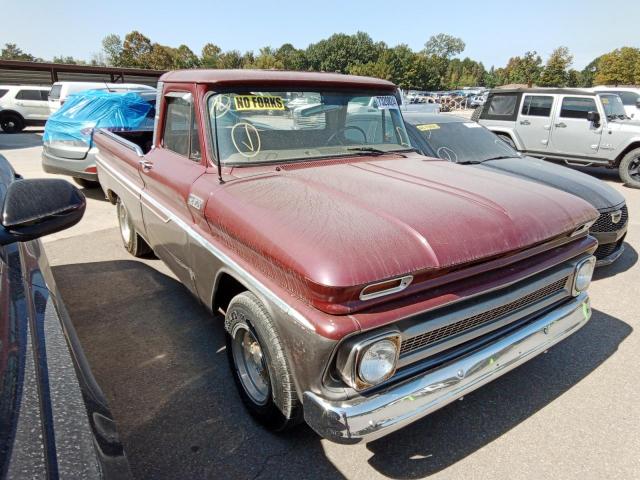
{"x": 281, "y": 304}
{"x": 365, "y": 418}
{"x": 122, "y": 141}
{"x": 135, "y": 193}
{"x": 404, "y": 283}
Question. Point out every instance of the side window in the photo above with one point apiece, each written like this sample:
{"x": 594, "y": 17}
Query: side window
{"x": 537, "y": 105}
{"x": 44, "y": 95}
{"x": 2, "y": 92}
{"x": 180, "y": 134}
{"x": 577, "y": 107}
{"x": 502, "y": 105}
{"x": 28, "y": 95}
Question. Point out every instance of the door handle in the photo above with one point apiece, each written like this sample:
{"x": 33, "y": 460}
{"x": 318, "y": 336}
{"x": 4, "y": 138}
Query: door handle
{"x": 146, "y": 165}
{"x": 561, "y": 125}
{"x": 525, "y": 122}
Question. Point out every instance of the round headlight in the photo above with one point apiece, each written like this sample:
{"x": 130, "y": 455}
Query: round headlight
{"x": 378, "y": 362}
{"x": 584, "y": 272}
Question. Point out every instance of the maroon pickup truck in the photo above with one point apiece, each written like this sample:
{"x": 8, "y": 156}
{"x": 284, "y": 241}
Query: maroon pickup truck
{"x": 363, "y": 286}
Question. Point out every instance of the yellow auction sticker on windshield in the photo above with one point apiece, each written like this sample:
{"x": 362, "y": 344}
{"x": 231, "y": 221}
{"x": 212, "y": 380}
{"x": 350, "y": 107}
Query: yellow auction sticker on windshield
{"x": 428, "y": 126}
{"x": 258, "y": 102}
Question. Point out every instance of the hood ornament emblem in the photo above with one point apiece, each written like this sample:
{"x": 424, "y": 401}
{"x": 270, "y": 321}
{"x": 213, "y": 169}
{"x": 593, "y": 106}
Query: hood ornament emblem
{"x": 616, "y": 216}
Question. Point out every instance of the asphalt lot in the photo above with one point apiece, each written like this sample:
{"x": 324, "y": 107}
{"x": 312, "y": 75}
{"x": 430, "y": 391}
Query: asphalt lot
{"x": 571, "y": 413}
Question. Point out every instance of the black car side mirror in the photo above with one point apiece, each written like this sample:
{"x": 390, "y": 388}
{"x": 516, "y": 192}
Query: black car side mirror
{"x": 38, "y": 207}
{"x": 593, "y": 117}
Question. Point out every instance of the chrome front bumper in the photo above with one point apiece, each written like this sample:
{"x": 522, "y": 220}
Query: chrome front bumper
{"x": 369, "y": 417}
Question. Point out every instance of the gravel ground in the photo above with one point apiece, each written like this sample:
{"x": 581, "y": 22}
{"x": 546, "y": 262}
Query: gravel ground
{"x": 573, "y": 413}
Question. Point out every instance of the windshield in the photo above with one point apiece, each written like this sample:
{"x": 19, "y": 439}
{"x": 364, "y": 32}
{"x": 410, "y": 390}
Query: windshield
{"x": 613, "y": 107}
{"x": 260, "y": 127}
{"x": 464, "y": 142}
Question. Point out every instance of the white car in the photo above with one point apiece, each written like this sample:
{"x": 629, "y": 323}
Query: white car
{"x": 21, "y": 106}
{"x": 630, "y": 98}
{"x": 61, "y": 90}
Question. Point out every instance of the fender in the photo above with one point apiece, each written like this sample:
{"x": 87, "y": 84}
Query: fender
{"x": 509, "y": 131}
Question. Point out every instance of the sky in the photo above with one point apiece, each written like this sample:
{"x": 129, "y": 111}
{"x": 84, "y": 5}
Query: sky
{"x": 493, "y": 31}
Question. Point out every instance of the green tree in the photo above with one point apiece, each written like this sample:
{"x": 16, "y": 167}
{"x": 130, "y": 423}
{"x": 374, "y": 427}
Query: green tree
{"x": 619, "y": 67}
{"x": 292, "y": 58}
{"x": 69, "y": 60}
{"x": 443, "y": 46}
{"x": 230, "y": 59}
{"x": 183, "y": 57}
{"x": 12, "y": 52}
{"x": 210, "y": 56}
{"x": 112, "y": 48}
{"x": 267, "y": 59}
{"x": 340, "y": 51}
{"x": 555, "y": 73}
{"x": 136, "y": 50}
{"x": 524, "y": 70}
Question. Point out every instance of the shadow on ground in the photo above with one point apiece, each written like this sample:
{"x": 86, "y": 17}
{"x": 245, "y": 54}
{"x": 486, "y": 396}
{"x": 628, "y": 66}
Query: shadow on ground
{"x": 627, "y": 260}
{"x": 159, "y": 356}
{"x": 26, "y": 139}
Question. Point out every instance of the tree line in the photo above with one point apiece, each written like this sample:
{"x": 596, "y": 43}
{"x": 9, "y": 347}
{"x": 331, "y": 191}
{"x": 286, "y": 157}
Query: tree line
{"x": 435, "y": 67}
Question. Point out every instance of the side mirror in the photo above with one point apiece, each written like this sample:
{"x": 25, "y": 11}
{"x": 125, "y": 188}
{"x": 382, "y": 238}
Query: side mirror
{"x": 638, "y": 102}
{"x": 593, "y": 117}
{"x": 38, "y": 207}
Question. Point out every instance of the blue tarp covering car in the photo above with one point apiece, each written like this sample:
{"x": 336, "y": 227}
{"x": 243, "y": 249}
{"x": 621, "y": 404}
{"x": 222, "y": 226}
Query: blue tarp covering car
{"x": 83, "y": 112}
{"x": 68, "y": 134}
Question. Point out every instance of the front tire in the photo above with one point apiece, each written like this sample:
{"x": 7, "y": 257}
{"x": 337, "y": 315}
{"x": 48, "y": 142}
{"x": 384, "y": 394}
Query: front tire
{"x": 11, "y": 123}
{"x": 629, "y": 168}
{"x": 260, "y": 368}
{"x": 132, "y": 241}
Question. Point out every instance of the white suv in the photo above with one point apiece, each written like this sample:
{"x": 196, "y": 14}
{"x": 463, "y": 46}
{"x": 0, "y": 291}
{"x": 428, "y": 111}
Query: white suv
{"x": 579, "y": 127}
{"x": 21, "y": 106}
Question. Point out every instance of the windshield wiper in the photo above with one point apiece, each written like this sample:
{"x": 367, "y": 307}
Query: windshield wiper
{"x": 377, "y": 151}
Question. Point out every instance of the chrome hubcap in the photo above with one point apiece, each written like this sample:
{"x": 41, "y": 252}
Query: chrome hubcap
{"x": 123, "y": 219}
{"x": 253, "y": 373}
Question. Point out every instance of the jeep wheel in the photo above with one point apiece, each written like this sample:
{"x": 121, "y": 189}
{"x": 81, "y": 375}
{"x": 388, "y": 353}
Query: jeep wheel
{"x": 11, "y": 123}
{"x": 133, "y": 243}
{"x": 259, "y": 366}
{"x": 629, "y": 169}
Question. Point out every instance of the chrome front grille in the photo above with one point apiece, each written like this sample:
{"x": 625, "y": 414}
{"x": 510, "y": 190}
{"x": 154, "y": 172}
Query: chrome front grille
{"x": 433, "y": 336}
{"x": 604, "y": 223}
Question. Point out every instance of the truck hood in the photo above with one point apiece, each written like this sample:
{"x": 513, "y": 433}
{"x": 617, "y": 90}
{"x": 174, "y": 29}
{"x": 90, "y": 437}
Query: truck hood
{"x": 325, "y": 228}
{"x": 593, "y": 190}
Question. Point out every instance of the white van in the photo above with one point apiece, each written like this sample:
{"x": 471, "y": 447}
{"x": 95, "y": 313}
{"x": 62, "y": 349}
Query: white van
{"x": 61, "y": 90}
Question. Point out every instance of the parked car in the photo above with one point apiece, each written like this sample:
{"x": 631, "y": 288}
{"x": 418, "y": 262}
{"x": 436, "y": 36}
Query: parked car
{"x": 363, "y": 285}
{"x": 68, "y": 147}
{"x": 54, "y": 420}
{"x": 61, "y": 90}
{"x": 465, "y": 142}
{"x": 578, "y": 127}
{"x": 630, "y": 98}
{"x": 22, "y": 106}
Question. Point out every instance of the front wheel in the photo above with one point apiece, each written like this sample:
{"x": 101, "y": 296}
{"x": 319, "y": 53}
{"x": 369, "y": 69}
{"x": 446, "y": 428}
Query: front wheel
{"x": 629, "y": 168}
{"x": 133, "y": 243}
{"x": 259, "y": 366}
{"x": 11, "y": 123}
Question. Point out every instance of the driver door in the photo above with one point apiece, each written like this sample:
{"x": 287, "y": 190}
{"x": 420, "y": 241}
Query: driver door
{"x": 572, "y": 134}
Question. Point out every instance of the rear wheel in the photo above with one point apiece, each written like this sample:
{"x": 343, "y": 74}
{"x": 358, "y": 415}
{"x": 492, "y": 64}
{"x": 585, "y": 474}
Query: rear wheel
{"x": 260, "y": 368}
{"x": 629, "y": 168}
{"x": 133, "y": 242}
{"x": 11, "y": 123}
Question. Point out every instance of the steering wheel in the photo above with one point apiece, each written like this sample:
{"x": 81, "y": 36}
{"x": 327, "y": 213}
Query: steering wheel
{"x": 344, "y": 129}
